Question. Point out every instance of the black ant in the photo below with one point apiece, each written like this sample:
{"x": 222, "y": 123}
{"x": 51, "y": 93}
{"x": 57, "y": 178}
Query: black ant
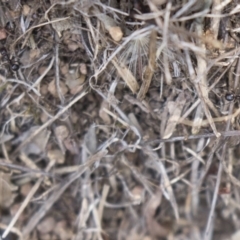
{"x": 231, "y": 96}
{"x": 5, "y": 57}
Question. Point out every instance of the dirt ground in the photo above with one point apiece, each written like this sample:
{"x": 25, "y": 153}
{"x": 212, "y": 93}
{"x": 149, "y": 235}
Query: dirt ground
{"x": 119, "y": 120}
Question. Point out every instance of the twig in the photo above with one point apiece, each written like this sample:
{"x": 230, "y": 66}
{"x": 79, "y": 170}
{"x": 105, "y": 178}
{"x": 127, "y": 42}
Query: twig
{"x": 192, "y": 137}
{"x": 57, "y": 76}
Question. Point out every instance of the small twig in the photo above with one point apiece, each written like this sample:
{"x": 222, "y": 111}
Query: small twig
{"x": 168, "y": 76}
{"x": 192, "y": 137}
{"x": 57, "y": 76}
{"x": 193, "y": 16}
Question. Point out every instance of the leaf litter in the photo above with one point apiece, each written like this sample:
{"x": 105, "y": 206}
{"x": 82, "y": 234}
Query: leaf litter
{"x": 115, "y": 122}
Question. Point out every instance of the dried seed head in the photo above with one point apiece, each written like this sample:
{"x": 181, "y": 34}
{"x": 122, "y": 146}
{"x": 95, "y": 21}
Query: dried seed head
{"x": 135, "y": 54}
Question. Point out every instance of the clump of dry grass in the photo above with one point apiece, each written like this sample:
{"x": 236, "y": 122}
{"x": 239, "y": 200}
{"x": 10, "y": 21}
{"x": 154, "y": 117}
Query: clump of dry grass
{"x": 112, "y": 127}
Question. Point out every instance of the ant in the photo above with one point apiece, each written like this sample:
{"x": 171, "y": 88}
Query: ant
{"x": 5, "y": 57}
{"x": 231, "y": 96}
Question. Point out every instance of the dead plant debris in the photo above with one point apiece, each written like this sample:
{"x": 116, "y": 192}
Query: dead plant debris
{"x": 119, "y": 119}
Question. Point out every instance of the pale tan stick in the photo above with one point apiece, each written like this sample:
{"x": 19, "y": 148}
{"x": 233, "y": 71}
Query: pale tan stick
{"x": 149, "y": 71}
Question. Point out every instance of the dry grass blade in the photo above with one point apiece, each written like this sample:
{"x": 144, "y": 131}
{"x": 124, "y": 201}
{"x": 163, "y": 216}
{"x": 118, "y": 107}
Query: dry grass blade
{"x": 167, "y": 189}
{"x": 168, "y": 76}
{"x": 126, "y": 75}
{"x": 194, "y": 190}
{"x": 197, "y": 123}
{"x": 175, "y": 110}
{"x": 102, "y": 202}
{"x": 149, "y": 71}
{"x": 205, "y": 122}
